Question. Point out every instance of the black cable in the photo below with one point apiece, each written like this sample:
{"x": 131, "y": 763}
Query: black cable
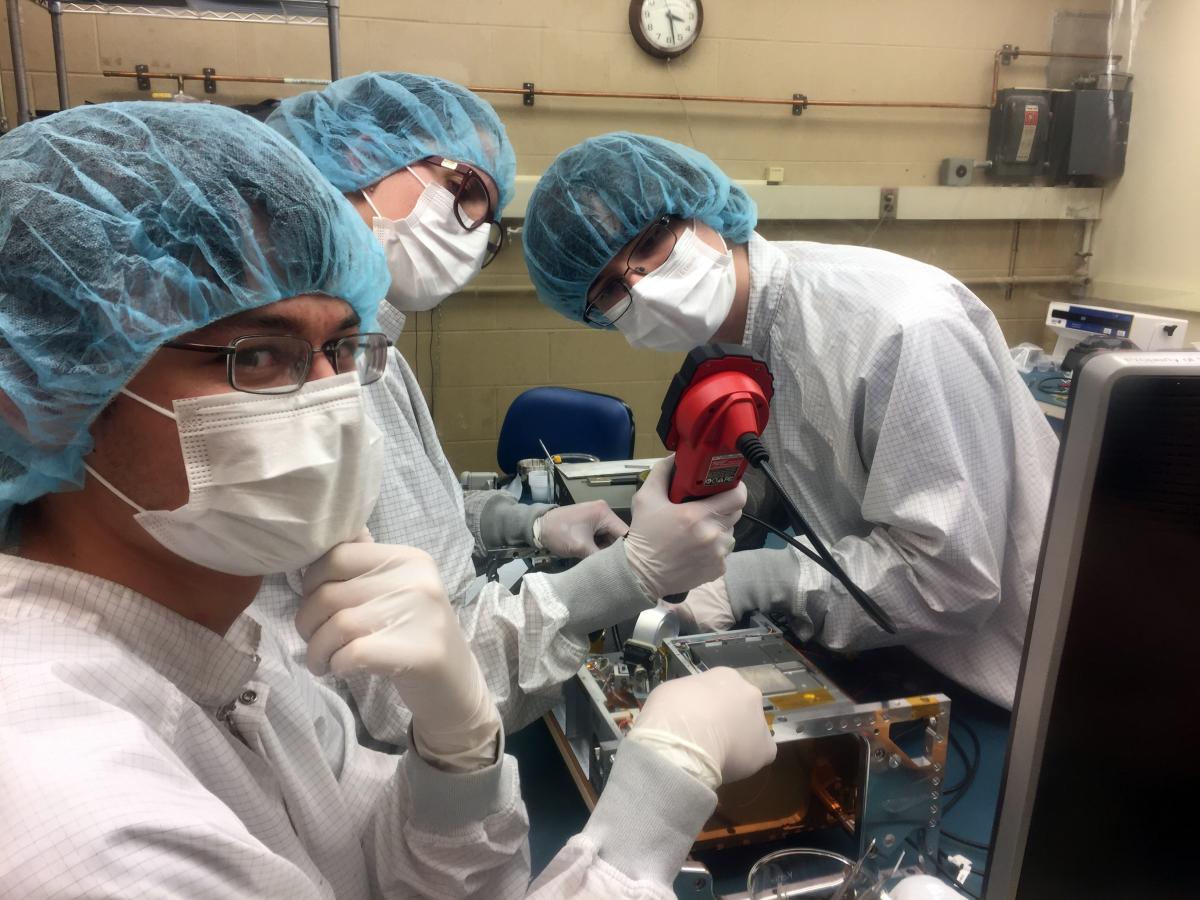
{"x": 966, "y": 842}
{"x": 754, "y": 451}
{"x": 969, "y": 767}
{"x": 955, "y": 745}
{"x": 779, "y": 532}
{"x": 974, "y": 767}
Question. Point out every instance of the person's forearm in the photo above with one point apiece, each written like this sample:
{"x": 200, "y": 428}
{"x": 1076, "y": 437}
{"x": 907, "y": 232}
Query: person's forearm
{"x": 453, "y": 835}
{"x": 925, "y": 595}
{"x": 637, "y": 838}
{"x": 496, "y": 519}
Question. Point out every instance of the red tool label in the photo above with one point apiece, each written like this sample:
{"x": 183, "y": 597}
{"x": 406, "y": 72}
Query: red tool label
{"x": 722, "y": 468}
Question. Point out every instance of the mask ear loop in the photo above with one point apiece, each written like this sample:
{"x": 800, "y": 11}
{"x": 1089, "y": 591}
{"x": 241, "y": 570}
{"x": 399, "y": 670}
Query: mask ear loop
{"x": 413, "y": 172}
{"x": 104, "y": 481}
{"x": 112, "y": 490}
{"x": 371, "y": 203}
{"x": 724, "y": 243}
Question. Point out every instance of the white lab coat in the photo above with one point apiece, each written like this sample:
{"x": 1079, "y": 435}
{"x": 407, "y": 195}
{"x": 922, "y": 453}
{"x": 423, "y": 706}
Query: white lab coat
{"x": 527, "y": 643}
{"x": 142, "y": 755}
{"x": 901, "y": 428}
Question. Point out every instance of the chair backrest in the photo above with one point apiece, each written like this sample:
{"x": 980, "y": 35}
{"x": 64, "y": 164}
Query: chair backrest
{"x": 567, "y": 421}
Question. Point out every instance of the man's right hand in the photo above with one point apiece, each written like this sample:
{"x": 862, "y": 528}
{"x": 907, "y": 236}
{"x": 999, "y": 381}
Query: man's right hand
{"x": 382, "y": 610}
{"x": 711, "y": 725}
{"x": 673, "y": 547}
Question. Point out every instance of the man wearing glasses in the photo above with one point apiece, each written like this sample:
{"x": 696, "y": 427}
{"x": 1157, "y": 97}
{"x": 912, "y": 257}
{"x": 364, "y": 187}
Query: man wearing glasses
{"x": 428, "y": 165}
{"x": 898, "y": 425}
{"x": 182, "y": 363}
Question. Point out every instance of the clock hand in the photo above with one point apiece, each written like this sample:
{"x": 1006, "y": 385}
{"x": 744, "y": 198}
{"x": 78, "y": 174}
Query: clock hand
{"x": 671, "y": 20}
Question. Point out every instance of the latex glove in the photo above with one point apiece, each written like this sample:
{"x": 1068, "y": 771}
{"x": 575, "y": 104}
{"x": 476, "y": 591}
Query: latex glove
{"x": 382, "y": 609}
{"x": 579, "y": 530}
{"x": 673, "y": 547}
{"x": 711, "y": 725}
{"x": 706, "y": 608}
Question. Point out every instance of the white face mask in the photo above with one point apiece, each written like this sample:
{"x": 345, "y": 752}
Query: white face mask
{"x": 683, "y": 302}
{"x": 274, "y": 481}
{"x": 429, "y": 253}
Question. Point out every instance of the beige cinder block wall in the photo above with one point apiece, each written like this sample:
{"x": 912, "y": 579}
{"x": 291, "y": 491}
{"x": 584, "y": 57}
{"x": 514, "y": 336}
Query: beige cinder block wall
{"x": 480, "y": 349}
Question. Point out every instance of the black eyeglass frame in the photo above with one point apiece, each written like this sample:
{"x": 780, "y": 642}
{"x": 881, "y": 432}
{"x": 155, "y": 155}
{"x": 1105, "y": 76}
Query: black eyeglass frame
{"x": 379, "y": 343}
{"x": 596, "y": 318}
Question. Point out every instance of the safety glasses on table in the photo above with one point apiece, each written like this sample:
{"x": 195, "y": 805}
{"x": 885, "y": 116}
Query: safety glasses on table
{"x": 473, "y": 203}
{"x": 611, "y": 298}
{"x": 279, "y": 364}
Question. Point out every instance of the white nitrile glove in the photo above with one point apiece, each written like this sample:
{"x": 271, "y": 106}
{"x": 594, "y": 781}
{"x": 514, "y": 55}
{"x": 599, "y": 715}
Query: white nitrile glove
{"x": 706, "y": 608}
{"x": 673, "y": 547}
{"x": 382, "y": 609}
{"x": 579, "y": 530}
{"x": 711, "y": 725}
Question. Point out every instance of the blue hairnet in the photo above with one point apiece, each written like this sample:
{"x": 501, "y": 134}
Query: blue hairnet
{"x": 360, "y": 130}
{"x": 123, "y": 226}
{"x": 596, "y": 196}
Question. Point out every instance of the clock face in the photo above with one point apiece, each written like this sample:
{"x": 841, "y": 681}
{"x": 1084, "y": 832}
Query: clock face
{"x": 666, "y": 28}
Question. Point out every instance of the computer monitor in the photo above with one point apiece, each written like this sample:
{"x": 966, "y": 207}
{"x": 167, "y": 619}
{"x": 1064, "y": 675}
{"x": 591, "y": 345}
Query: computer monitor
{"x": 1100, "y": 784}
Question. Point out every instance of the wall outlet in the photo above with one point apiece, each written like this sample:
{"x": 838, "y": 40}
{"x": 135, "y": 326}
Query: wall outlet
{"x": 774, "y": 175}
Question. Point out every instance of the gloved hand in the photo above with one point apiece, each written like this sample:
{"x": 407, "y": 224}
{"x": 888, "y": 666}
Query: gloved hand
{"x": 382, "y": 609}
{"x": 673, "y": 547}
{"x": 711, "y": 725}
{"x": 706, "y": 608}
{"x": 578, "y": 531}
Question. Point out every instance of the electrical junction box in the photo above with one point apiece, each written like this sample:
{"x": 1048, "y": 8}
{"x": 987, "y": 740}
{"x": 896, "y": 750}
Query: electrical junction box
{"x": 1019, "y": 134}
{"x": 956, "y": 171}
{"x": 1089, "y": 134}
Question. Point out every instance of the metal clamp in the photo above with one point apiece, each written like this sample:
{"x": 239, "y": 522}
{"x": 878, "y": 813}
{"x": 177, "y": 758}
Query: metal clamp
{"x": 143, "y": 78}
{"x": 527, "y": 96}
{"x": 1008, "y": 53}
{"x": 799, "y": 104}
{"x": 210, "y": 83}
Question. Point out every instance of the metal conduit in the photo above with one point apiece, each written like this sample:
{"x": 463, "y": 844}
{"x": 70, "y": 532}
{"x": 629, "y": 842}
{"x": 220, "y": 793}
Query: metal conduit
{"x": 60, "y": 56}
{"x": 1008, "y": 53}
{"x": 333, "y": 22}
{"x": 18, "y": 58}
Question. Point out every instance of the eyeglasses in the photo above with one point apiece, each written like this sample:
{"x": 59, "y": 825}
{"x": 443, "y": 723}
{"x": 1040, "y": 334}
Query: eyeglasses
{"x": 611, "y": 298}
{"x": 473, "y": 204}
{"x": 279, "y": 364}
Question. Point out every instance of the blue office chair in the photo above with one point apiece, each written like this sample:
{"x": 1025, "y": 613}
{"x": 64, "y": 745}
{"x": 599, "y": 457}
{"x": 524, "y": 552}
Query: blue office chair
{"x": 567, "y": 421}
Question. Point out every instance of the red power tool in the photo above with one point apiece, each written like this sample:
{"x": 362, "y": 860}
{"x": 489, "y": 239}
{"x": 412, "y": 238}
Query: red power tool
{"x": 722, "y": 392}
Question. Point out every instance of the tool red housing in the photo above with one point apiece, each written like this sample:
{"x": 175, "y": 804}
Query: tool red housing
{"x": 722, "y": 392}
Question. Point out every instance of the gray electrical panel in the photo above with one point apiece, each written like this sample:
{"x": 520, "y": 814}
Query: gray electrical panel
{"x": 1019, "y": 134}
{"x": 1089, "y": 135}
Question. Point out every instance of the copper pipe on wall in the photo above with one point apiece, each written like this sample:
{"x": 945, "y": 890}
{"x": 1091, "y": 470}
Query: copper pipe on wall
{"x": 797, "y": 102}
{"x": 709, "y": 98}
{"x": 247, "y": 79}
{"x": 1008, "y": 53}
